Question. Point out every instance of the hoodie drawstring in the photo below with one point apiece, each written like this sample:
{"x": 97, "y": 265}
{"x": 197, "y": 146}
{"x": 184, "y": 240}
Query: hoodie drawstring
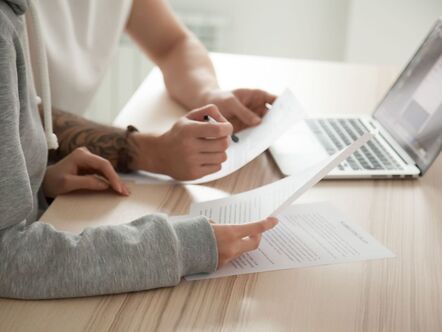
{"x": 42, "y": 63}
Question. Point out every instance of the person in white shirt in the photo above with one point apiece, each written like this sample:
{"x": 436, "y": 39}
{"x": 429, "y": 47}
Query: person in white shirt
{"x": 81, "y": 37}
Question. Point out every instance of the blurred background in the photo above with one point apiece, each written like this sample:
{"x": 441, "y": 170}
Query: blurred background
{"x": 383, "y": 32}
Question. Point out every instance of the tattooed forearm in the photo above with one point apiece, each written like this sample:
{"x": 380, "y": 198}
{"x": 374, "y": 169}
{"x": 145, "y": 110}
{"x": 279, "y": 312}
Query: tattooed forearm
{"x": 108, "y": 142}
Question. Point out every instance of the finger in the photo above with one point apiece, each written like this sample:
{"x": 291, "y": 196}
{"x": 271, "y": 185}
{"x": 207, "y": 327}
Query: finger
{"x": 262, "y": 110}
{"x": 210, "y": 110}
{"x": 212, "y": 158}
{"x": 210, "y": 130}
{"x": 103, "y": 166}
{"x": 255, "y": 228}
{"x": 265, "y": 99}
{"x": 258, "y": 97}
{"x": 126, "y": 190}
{"x": 209, "y": 169}
{"x": 245, "y": 115}
{"x": 213, "y": 145}
{"x": 87, "y": 182}
{"x": 268, "y": 98}
{"x": 255, "y": 99}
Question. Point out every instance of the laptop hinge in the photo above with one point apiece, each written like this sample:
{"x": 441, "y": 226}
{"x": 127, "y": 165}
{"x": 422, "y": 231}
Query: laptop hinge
{"x": 406, "y": 158}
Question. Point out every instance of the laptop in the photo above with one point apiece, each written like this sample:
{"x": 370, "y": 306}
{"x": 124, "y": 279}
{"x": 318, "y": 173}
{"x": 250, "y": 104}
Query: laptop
{"x": 408, "y": 123}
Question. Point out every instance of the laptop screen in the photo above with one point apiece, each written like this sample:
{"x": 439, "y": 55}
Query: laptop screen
{"x": 412, "y": 109}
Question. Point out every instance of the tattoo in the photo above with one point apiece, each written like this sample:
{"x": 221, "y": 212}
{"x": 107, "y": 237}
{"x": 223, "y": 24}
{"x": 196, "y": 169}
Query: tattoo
{"x": 108, "y": 142}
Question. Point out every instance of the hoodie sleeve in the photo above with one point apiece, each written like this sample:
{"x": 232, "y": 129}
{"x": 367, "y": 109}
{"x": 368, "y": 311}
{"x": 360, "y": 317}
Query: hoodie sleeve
{"x": 39, "y": 262}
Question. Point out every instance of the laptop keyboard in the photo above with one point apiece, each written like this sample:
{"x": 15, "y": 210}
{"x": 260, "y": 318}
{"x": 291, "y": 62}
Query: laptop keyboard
{"x": 335, "y": 134}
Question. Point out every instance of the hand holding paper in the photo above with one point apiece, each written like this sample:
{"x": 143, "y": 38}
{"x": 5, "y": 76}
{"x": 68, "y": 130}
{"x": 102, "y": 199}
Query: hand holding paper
{"x": 234, "y": 240}
{"x": 253, "y": 141}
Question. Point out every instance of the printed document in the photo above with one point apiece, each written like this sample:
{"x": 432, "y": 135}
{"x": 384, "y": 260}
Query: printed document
{"x": 271, "y": 199}
{"x": 285, "y": 112}
{"x": 307, "y": 235}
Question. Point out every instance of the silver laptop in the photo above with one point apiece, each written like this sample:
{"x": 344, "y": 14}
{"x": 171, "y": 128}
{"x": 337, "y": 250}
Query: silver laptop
{"x": 408, "y": 121}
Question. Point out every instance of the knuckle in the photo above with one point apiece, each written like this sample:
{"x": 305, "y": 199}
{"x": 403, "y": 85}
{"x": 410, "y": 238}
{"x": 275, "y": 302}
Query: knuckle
{"x": 230, "y": 126}
{"x": 223, "y": 157}
{"x": 64, "y": 181}
{"x": 224, "y": 144}
{"x": 106, "y": 163}
{"x": 81, "y": 150}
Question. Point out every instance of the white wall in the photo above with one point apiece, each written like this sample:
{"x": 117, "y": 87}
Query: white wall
{"x": 388, "y": 31}
{"x": 313, "y": 29}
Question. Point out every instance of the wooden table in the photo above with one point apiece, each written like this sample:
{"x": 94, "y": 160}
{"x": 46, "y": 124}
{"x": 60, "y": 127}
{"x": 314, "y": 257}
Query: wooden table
{"x": 400, "y": 294}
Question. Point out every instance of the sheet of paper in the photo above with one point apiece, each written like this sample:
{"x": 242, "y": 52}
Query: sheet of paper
{"x": 273, "y": 198}
{"x": 307, "y": 235}
{"x": 285, "y": 112}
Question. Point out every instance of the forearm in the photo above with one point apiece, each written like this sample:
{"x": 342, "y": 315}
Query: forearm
{"x": 39, "y": 262}
{"x": 189, "y": 62}
{"x": 187, "y": 68}
{"x": 108, "y": 142}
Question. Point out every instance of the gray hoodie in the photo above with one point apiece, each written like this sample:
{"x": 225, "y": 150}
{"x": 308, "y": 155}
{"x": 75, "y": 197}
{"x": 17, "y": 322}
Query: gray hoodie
{"x": 37, "y": 261}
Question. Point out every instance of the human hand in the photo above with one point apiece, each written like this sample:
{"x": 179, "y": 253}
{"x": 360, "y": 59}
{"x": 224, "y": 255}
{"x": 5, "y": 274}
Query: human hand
{"x": 79, "y": 170}
{"x": 234, "y": 240}
{"x": 192, "y": 148}
{"x": 241, "y": 107}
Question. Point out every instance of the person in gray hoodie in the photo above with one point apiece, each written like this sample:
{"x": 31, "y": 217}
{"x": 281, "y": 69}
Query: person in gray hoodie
{"x": 39, "y": 262}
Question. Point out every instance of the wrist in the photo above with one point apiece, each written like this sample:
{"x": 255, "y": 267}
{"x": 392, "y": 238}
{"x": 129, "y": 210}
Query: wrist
{"x": 207, "y": 96}
{"x": 146, "y": 157}
{"x": 46, "y": 184}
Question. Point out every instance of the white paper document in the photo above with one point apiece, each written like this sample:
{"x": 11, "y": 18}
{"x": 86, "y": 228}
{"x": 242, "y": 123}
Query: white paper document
{"x": 272, "y": 199}
{"x": 285, "y": 112}
{"x": 307, "y": 235}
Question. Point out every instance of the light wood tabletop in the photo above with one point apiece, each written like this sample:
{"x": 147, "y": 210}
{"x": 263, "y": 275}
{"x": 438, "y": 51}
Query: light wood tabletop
{"x": 398, "y": 294}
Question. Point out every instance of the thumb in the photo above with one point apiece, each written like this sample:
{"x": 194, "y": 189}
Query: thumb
{"x": 88, "y": 182}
